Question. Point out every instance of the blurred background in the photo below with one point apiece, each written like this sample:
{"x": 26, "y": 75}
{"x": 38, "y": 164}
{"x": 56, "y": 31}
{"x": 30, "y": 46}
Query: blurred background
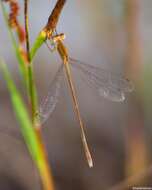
{"x": 111, "y": 34}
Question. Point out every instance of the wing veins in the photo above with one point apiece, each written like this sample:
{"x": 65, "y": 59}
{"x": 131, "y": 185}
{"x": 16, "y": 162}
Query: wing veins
{"x": 48, "y": 104}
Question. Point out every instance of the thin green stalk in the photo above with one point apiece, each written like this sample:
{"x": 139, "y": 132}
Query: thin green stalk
{"x": 32, "y": 92}
{"x": 45, "y": 173}
{"x": 31, "y": 84}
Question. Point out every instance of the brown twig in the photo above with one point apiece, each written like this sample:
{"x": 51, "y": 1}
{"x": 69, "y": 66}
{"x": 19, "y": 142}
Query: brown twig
{"x": 26, "y": 2}
{"x": 54, "y": 17}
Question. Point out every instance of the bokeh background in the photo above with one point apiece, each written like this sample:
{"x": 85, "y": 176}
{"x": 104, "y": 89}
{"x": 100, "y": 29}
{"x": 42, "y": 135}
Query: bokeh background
{"x": 114, "y": 35}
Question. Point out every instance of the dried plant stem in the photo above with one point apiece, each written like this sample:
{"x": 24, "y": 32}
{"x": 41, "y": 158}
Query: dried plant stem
{"x": 135, "y": 139}
{"x": 133, "y": 180}
{"x": 26, "y": 2}
{"x": 54, "y": 17}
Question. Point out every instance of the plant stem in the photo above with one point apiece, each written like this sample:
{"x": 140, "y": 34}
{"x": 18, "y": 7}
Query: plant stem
{"x": 31, "y": 84}
{"x": 22, "y": 65}
{"x": 26, "y": 2}
{"x": 45, "y": 172}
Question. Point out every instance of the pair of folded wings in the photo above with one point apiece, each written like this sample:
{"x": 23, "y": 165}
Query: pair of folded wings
{"x": 108, "y": 85}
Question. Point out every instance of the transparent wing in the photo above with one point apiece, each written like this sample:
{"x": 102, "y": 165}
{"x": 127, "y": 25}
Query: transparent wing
{"x": 109, "y": 85}
{"x": 49, "y": 103}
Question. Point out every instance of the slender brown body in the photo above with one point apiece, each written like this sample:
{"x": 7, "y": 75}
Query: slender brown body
{"x": 63, "y": 52}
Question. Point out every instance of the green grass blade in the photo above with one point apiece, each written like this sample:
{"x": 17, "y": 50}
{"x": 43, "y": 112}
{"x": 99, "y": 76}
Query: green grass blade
{"x": 31, "y": 138}
{"x": 41, "y": 38}
{"x": 21, "y": 114}
{"x": 32, "y": 93}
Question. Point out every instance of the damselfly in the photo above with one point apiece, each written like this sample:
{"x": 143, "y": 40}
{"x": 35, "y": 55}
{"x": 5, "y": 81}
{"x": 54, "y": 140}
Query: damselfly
{"x": 107, "y": 84}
